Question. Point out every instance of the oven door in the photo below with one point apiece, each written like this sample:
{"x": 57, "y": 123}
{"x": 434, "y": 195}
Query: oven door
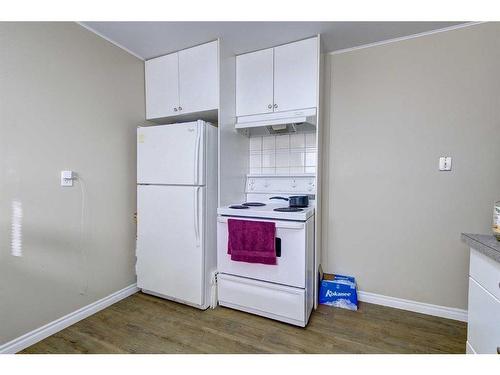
{"x": 291, "y": 243}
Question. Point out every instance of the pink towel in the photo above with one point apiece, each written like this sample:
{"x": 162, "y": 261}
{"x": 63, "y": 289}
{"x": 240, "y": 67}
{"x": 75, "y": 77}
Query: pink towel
{"x": 251, "y": 241}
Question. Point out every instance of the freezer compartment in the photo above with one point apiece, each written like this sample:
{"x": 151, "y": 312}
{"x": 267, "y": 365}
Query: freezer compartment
{"x": 293, "y": 245}
{"x": 273, "y": 301}
{"x": 172, "y": 154}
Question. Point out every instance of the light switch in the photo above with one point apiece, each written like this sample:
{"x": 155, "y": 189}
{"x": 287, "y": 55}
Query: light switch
{"x": 445, "y": 163}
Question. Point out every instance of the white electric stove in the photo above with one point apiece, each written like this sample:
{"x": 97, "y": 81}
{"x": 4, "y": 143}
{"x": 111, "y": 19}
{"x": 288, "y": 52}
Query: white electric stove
{"x": 283, "y": 291}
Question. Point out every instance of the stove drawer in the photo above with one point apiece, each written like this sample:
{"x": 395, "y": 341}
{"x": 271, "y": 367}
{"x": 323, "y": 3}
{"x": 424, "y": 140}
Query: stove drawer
{"x": 294, "y": 241}
{"x": 266, "y": 299}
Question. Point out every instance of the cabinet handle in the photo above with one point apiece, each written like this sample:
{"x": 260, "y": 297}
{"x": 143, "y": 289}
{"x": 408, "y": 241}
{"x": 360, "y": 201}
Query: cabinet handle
{"x": 275, "y": 106}
{"x": 175, "y": 109}
{"x": 270, "y": 106}
{"x": 180, "y": 108}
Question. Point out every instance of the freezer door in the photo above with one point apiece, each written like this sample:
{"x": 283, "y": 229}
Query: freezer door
{"x": 171, "y": 154}
{"x": 170, "y": 251}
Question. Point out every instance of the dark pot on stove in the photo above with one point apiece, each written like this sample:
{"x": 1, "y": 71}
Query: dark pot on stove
{"x": 296, "y": 200}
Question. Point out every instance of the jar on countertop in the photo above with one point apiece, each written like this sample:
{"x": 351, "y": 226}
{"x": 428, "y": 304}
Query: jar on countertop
{"x": 496, "y": 220}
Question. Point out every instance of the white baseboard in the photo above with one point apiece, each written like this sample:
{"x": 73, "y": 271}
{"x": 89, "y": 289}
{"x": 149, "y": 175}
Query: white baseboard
{"x": 39, "y": 334}
{"x": 420, "y": 307}
{"x": 469, "y": 349}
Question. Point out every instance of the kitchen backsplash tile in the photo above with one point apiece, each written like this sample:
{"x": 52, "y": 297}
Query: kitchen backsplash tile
{"x": 310, "y": 160}
{"x": 283, "y": 170}
{"x": 268, "y": 159}
{"x": 256, "y": 144}
{"x": 296, "y": 159}
{"x": 255, "y": 160}
{"x": 268, "y": 143}
{"x": 310, "y": 140}
{"x": 268, "y": 170}
{"x": 296, "y": 170}
{"x": 297, "y": 141}
{"x": 283, "y": 142}
{"x": 282, "y": 158}
{"x": 283, "y": 154}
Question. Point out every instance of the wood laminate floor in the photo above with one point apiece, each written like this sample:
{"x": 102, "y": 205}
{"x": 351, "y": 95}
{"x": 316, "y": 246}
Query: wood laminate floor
{"x": 146, "y": 324}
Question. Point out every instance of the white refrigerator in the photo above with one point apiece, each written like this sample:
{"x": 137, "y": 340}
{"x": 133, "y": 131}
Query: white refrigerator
{"x": 177, "y": 211}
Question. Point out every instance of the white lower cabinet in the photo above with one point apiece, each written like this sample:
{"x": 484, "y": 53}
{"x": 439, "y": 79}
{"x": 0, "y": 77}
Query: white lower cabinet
{"x": 483, "y": 329}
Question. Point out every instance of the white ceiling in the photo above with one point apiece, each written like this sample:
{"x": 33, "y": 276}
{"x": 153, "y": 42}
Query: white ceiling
{"x": 151, "y": 39}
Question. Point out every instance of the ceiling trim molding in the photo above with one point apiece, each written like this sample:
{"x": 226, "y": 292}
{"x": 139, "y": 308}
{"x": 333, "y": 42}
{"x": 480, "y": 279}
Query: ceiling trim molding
{"x": 394, "y": 40}
{"x": 110, "y": 40}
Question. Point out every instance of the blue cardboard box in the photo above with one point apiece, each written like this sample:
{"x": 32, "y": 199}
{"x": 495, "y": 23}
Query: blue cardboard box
{"x": 338, "y": 291}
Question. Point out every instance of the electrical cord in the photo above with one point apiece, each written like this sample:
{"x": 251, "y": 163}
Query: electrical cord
{"x": 84, "y": 286}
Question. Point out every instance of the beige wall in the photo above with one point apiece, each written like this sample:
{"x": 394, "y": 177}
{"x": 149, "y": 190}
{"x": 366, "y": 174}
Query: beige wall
{"x": 68, "y": 100}
{"x": 391, "y": 218}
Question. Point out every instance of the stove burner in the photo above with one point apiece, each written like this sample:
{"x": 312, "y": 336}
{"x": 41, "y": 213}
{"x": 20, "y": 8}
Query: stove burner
{"x": 253, "y": 204}
{"x": 288, "y": 209}
{"x": 238, "y": 206}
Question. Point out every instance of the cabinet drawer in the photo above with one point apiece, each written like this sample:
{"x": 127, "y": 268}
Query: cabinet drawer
{"x": 486, "y": 272}
{"x": 267, "y": 299}
{"x": 483, "y": 329}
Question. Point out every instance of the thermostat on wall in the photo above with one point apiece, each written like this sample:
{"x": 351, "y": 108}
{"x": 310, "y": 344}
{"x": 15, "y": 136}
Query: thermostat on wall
{"x": 67, "y": 178}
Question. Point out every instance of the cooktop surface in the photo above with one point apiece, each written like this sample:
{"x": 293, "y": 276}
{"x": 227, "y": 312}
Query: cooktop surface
{"x": 268, "y": 210}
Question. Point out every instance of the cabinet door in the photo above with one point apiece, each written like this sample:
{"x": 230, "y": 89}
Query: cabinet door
{"x": 162, "y": 86}
{"x": 198, "y": 78}
{"x": 483, "y": 326}
{"x": 254, "y": 83}
{"x": 296, "y": 75}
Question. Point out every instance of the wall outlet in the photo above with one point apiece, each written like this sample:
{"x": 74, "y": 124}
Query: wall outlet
{"x": 67, "y": 178}
{"x": 445, "y": 163}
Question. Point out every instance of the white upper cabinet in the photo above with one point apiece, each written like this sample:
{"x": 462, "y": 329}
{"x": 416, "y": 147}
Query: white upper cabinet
{"x": 198, "y": 78}
{"x": 278, "y": 79}
{"x": 162, "y": 86}
{"x": 182, "y": 82}
{"x": 296, "y": 75}
{"x": 254, "y": 83}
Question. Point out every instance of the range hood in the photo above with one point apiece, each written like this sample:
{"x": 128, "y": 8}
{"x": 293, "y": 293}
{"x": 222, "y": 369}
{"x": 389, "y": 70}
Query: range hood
{"x": 279, "y": 122}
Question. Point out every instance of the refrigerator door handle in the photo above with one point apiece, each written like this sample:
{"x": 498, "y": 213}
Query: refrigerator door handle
{"x": 197, "y": 215}
{"x": 197, "y": 155}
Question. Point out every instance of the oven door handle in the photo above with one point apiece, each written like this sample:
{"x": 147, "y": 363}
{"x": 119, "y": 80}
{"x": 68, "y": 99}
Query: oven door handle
{"x": 279, "y": 224}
